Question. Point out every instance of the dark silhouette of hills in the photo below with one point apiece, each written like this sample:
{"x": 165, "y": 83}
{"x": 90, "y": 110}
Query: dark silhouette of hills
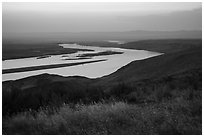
{"x": 99, "y": 36}
{"x": 164, "y": 45}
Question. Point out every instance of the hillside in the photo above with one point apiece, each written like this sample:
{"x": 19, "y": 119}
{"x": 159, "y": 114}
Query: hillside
{"x": 157, "y": 67}
{"x": 164, "y": 46}
{"x": 167, "y": 84}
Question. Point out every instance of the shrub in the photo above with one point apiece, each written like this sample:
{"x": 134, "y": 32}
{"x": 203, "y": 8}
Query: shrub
{"x": 108, "y": 118}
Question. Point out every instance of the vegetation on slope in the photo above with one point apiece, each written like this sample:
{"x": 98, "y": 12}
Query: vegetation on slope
{"x": 171, "y": 105}
{"x": 172, "y": 111}
{"x": 161, "y": 95}
{"x": 171, "y": 117}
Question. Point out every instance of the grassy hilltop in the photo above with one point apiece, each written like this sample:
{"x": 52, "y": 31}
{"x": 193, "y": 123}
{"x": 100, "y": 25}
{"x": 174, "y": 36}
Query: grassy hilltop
{"x": 160, "y": 95}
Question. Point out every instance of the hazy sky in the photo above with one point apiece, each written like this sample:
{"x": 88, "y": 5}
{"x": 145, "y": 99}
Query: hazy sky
{"x": 80, "y": 17}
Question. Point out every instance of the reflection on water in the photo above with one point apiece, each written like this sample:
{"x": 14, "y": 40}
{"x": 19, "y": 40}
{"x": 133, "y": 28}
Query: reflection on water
{"x": 116, "y": 41}
{"x": 92, "y": 70}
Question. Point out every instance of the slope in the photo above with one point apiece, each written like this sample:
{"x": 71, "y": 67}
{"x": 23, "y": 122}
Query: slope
{"x": 156, "y": 67}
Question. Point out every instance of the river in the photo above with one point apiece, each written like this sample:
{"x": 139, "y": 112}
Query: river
{"x": 90, "y": 70}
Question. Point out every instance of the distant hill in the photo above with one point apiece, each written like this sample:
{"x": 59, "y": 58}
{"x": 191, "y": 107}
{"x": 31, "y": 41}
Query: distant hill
{"x": 156, "y": 45}
{"x": 164, "y": 46}
{"x": 98, "y": 36}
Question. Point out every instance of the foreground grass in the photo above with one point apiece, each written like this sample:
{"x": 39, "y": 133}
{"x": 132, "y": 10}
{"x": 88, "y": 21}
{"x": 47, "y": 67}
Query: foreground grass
{"x": 178, "y": 116}
{"x": 169, "y": 105}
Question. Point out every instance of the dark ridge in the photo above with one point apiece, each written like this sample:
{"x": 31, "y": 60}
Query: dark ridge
{"x": 163, "y": 45}
{"x": 156, "y": 45}
{"x": 100, "y": 54}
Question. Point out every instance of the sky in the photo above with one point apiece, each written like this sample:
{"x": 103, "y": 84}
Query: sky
{"x": 100, "y": 17}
